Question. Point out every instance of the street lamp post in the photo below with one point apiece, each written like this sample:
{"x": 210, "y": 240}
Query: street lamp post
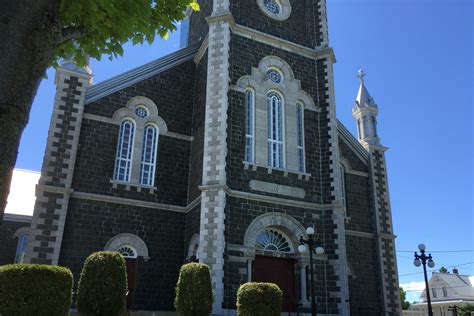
{"x": 423, "y": 259}
{"x": 313, "y": 246}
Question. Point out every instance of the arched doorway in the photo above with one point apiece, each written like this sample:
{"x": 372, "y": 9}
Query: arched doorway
{"x": 131, "y": 247}
{"x": 275, "y": 263}
{"x": 130, "y": 255}
{"x": 271, "y": 241}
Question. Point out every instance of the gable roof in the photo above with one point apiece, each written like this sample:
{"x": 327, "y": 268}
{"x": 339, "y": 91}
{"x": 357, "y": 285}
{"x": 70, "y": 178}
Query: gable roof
{"x": 135, "y": 75}
{"x": 461, "y": 285}
{"x": 352, "y": 142}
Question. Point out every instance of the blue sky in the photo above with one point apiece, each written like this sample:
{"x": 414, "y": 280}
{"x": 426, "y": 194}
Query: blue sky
{"x": 418, "y": 57}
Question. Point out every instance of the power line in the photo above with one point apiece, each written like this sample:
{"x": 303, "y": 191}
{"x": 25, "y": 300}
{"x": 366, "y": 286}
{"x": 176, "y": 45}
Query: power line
{"x": 434, "y": 270}
{"x": 439, "y": 251}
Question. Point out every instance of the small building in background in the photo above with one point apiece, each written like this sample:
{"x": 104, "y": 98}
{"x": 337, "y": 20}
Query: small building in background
{"x": 446, "y": 291}
{"x": 14, "y": 229}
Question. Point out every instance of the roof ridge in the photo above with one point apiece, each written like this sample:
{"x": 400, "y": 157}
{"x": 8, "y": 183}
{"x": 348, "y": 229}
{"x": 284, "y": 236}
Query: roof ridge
{"x": 140, "y": 73}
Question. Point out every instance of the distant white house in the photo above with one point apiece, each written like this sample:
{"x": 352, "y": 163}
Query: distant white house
{"x": 446, "y": 290}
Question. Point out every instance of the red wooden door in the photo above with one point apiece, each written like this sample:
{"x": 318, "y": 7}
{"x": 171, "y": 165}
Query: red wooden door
{"x": 131, "y": 272}
{"x": 282, "y": 273}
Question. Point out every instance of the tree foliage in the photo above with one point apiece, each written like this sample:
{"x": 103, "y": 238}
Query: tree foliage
{"x": 103, "y": 285}
{"x": 465, "y": 310}
{"x": 102, "y": 26}
{"x": 403, "y": 297}
{"x": 194, "y": 290}
{"x": 35, "y": 289}
{"x": 37, "y": 33}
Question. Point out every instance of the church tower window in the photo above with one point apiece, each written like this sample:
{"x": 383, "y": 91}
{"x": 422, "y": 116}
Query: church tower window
{"x": 123, "y": 161}
{"x": 300, "y": 134}
{"x": 249, "y": 125}
{"x": 148, "y": 159}
{"x": 275, "y": 130}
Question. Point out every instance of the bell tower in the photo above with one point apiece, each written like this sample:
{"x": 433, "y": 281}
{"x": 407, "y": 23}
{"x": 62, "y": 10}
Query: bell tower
{"x": 365, "y": 112}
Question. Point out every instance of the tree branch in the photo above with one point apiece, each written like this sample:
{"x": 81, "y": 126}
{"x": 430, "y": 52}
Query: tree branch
{"x": 69, "y": 33}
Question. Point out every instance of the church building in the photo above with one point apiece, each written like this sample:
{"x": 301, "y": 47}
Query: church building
{"x": 223, "y": 152}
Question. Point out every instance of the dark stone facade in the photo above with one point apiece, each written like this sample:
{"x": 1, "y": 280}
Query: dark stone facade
{"x": 8, "y": 240}
{"x": 167, "y": 218}
{"x": 91, "y": 224}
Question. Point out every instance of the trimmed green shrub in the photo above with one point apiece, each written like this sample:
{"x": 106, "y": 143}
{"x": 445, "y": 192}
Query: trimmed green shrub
{"x": 259, "y": 299}
{"x": 35, "y": 289}
{"x": 103, "y": 285}
{"x": 194, "y": 290}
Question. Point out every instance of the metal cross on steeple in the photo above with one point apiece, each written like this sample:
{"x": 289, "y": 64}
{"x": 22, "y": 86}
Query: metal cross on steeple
{"x": 361, "y": 75}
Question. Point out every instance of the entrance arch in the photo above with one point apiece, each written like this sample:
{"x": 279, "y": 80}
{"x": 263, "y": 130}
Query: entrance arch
{"x": 271, "y": 241}
{"x": 131, "y": 247}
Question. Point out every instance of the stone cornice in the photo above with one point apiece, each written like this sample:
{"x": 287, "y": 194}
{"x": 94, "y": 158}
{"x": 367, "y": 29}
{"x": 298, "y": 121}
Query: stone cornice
{"x": 133, "y": 202}
{"x": 273, "y": 40}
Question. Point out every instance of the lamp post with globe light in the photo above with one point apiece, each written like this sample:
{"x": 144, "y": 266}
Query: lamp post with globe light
{"x": 313, "y": 246}
{"x": 423, "y": 259}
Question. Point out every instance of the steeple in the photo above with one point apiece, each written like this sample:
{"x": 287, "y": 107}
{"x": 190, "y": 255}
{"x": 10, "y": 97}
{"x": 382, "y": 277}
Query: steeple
{"x": 365, "y": 112}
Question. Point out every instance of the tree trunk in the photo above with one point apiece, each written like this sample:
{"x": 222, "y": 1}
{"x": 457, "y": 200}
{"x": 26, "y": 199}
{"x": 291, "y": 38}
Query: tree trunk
{"x": 28, "y": 33}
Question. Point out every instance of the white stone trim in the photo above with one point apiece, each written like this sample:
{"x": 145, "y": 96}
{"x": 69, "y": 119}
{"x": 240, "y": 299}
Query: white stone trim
{"x": 132, "y": 202}
{"x": 202, "y": 50}
{"x": 277, "y": 188}
{"x": 318, "y": 52}
{"x": 278, "y": 201}
{"x": 287, "y": 224}
{"x": 123, "y": 239}
{"x": 359, "y": 234}
{"x": 214, "y": 178}
{"x": 20, "y": 231}
{"x": 289, "y": 90}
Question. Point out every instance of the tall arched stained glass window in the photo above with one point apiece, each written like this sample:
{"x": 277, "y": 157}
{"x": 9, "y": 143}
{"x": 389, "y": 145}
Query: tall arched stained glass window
{"x": 249, "y": 125}
{"x": 275, "y": 130}
{"x": 21, "y": 248}
{"x": 148, "y": 160}
{"x": 300, "y": 131}
{"x": 123, "y": 161}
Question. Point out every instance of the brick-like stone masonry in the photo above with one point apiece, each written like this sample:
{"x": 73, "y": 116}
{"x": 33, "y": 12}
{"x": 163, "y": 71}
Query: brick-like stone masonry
{"x": 54, "y": 188}
{"x": 213, "y": 196}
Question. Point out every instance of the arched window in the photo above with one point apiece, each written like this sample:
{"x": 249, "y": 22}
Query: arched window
{"x": 343, "y": 184}
{"x": 127, "y": 251}
{"x": 123, "y": 161}
{"x": 271, "y": 239}
{"x": 148, "y": 160}
{"x": 300, "y": 131}
{"x": 275, "y": 130}
{"x": 249, "y": 124}
{"x": 21, "y": 248}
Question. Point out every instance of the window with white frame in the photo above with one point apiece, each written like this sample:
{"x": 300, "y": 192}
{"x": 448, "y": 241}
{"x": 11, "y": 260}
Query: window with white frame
{"x": 434, "y": 293}
{"x": 445, "y": 292}
{"x": 137, "y": 147}
{"x": 300, "y": 134}
{"x": 275, "y": 130}
{"x": 21, "y": 248}
{"x": 342, "y": 172}
{"x": 249, "y": 124}
{"x": 275, "y": 107}
{"x": 123, "y": 162}
{"x": 148, "y": 159}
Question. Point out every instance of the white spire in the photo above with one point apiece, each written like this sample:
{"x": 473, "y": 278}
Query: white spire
{"x": 363, "y": 96}
{"x": 365, "y": 112}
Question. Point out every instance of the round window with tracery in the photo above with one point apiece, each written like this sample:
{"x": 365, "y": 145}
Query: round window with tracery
{"x": 141, "y": 112}
{"x": 127, "y": 251}
{"x": 272, "y": 6}
{"x": 274, "y": 75}
{"x": 272, "y": 240}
